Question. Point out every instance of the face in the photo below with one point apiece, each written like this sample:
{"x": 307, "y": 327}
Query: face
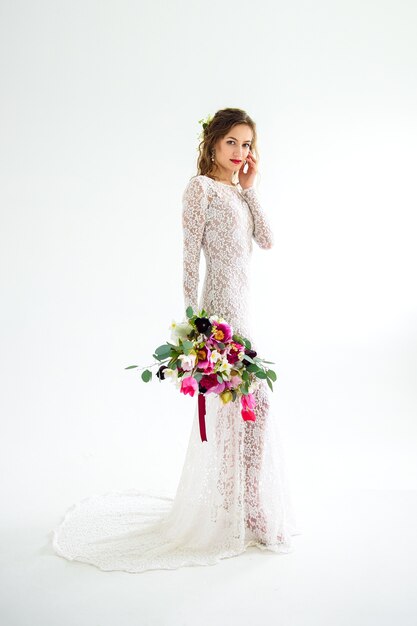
{"x": 232, "y": 150}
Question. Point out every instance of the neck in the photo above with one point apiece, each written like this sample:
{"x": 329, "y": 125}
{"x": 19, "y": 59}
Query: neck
{"x": 223, "y": 175}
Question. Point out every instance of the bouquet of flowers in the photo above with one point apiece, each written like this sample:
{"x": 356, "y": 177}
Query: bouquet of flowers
{"x": 206, "y": 356}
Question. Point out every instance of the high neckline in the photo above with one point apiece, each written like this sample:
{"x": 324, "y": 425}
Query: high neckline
{"x": 221, "y": 183}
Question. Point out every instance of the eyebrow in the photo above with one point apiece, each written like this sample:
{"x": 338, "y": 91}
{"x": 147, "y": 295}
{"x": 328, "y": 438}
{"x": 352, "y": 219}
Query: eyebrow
{"x": 247, "y": 140}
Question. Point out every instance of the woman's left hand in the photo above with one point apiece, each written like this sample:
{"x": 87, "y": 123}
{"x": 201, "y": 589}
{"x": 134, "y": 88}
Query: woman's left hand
{"x": 248, "y": 179}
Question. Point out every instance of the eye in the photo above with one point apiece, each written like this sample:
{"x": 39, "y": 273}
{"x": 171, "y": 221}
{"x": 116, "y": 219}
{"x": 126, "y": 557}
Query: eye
{"x": 245, "y": 144}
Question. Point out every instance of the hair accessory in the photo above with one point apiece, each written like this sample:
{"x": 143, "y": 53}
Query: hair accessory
{"x": 204, "y": 123}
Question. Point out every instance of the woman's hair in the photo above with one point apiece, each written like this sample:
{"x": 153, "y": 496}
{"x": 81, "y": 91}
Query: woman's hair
{"x": 219, "y": 126}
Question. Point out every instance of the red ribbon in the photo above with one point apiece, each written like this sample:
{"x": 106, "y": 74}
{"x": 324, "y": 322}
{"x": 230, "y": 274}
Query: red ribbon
{"x": 201, "y": 415}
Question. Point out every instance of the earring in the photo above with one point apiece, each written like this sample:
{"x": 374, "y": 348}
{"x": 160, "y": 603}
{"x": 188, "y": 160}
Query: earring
{"x": 212, "y": 155}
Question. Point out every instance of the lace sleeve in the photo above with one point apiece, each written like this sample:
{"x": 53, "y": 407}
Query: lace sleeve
{"x": 194, "y": 202}
{"x": 262, "y": 232}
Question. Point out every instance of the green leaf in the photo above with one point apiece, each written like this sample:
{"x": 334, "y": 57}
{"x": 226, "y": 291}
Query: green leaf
{"x": 245, "y": 375}
{"x": 271, "y": 374}
{"x": 146, "y": 375}
{"x": 261, "y": 374}
{"x": 187, "y": 345}
{"x": 164, "y": 350}
{"x": 198, "y": 376}
{"x": 219, "y": 378}
{"x": 252, "y": 367}
{"x": 245, "y": 388}
{"x": 249, "y": 358}
{"x": 130, "y": 367}
{"x": 221, "y": 345}
{"x": 160, "y": 357}
{"x": 247, "y": 343}
{"x": 189, "y": 312}
{"x": 270, "y": 384}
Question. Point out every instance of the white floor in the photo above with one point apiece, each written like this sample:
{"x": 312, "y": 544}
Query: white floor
{"x": 355, "y": 564}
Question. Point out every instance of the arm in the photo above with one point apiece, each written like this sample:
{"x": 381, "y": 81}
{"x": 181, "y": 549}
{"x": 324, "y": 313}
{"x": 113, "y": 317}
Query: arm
{"x": 262, "y": 232}
{"x": 194, "y": 202}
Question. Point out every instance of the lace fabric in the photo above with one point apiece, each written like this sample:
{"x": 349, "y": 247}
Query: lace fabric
{"x": 233, "y": 490}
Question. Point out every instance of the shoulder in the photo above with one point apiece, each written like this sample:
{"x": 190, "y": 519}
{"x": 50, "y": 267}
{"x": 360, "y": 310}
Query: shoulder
{"x": 197, "y": 186}
{"x": 198, "y": 181}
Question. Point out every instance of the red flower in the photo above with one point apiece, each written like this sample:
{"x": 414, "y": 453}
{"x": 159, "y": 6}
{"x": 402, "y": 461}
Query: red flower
{"x": 248, "y": 415}
{"x": 233, "y": 354}
{"x": 210, "y": 383}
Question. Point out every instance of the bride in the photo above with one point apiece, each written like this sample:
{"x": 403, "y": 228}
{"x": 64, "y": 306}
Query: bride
{"x": 233, "y": 491}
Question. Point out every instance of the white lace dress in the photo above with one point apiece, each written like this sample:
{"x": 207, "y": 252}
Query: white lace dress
{"x": 233, "y": 491}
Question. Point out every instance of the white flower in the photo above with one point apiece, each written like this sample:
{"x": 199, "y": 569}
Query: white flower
{"x": 187, "y": 361}
{"x": 225, "y": 366}
{"x": 215, "y": 356}
{"x": 216, "y": 318}
{"x": 172, "y": 374}
{"x": 180, "y": 330}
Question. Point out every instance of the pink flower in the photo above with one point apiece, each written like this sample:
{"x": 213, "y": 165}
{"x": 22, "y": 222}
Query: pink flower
{"x": 248, "y": 401}
{"x": 221, "y": 332}
{"x": 189, "y": 385}
{"x": 248, "y": 404}
{"x": 203, "y": 359}
{"x": 235, "y": 381}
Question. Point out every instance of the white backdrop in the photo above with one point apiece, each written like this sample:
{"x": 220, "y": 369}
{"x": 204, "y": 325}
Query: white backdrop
{"x": 100, "y": 105}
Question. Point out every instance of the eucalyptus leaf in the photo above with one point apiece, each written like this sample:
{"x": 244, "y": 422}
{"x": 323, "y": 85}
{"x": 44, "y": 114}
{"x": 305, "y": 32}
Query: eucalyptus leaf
{"x": 165, "y": 350}
{"x": 261, "y": 374}
{"x": 189, "y": 312}
{"x": 146, "y": 375}
{"x": 187, "y": 345}
{"x": 270, "y": 384}
{"x": 130, "y": 367}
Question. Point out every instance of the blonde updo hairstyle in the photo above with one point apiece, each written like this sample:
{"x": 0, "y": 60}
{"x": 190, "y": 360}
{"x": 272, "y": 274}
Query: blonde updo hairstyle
{"x": 220, "y": 126}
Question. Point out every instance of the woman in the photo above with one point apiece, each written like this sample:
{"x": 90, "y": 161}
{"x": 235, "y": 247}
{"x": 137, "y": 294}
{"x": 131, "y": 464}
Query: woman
{"x": 232, "y": 491}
